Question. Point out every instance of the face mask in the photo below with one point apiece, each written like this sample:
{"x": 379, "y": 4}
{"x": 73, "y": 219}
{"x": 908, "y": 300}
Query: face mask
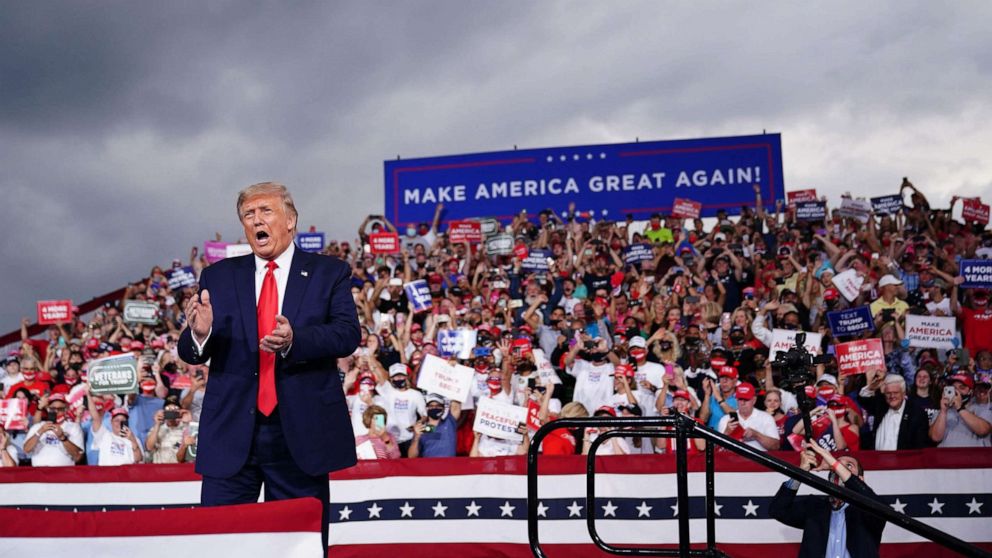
{"x": 77, "y": 366}
{"x": 365, "y": 388}
{"x": 399, "y": 384}
{"x": 790, "y": 326}
{"x": 666, "y": 346}
{"x": 435, "y": 414}
{"x": 71, "y": 381}
{"x": 495, "y": 384}
{"x": 638, "y": 353}
{"x": 839, "y": 413}
{"x": 28, "y": 375}
{"x": 736, "y": 339}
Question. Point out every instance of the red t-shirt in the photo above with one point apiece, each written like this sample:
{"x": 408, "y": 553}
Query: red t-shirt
{"x": 977, "y": 333}
{"x": 558, "y": 442}
{"x": 40, "y": 347}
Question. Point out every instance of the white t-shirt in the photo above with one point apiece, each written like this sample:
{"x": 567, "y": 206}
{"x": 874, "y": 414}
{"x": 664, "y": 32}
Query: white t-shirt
{"x": 944, "y": 306}
{"x": 114, "y": 450}
{"x": 402, "y": 409}
{"x": 49, "y": 451}
{"x": 357, "y": 407}
{"x": 593, "y": 384}
{"x": 614, "y": 446}
{"x": 759, "y": 421}
{"x": 12, "y": 452}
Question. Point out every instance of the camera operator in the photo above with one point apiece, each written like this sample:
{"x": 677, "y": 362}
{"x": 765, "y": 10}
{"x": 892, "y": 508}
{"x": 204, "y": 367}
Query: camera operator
{"x": 55, "y": 441}
{"x": 830, "y": 527}
{"x": 166, "y": 435}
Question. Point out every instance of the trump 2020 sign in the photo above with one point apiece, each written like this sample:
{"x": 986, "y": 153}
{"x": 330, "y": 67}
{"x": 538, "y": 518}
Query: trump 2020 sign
{"x": 608, "y": 180}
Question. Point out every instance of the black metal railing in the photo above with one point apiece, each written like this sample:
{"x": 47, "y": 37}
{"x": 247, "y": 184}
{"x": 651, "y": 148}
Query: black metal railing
{"x": 683, "y": 428}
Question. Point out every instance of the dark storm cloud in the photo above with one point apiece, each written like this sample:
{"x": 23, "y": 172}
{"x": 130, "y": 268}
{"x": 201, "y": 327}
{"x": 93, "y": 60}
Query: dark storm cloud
{"x": 127, "y": 128}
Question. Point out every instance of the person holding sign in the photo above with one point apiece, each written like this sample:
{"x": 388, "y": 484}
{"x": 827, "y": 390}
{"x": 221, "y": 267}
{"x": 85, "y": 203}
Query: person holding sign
{"x": 117, "y": 446}
{"x": 272, "y": 324}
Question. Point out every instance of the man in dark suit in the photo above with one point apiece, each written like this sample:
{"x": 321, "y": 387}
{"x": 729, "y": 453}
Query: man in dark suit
{"x": 830, "y": 527}
{"x": 272, "y": 325}
{"x": 897, "y": 423}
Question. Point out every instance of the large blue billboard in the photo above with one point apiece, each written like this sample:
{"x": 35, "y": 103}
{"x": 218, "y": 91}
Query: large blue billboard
{"x": 609, "y": 180}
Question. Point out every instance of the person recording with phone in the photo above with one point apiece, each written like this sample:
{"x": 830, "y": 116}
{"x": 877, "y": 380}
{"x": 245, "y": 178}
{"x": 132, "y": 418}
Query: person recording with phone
{"x": 119, "y": 445}
{"x": 378, "y": 442}
{"x": 168, "y": 432}
{"x": 55, "y": 440}
{"x": 960, "y": 422}
{"x": 831, "y": 527}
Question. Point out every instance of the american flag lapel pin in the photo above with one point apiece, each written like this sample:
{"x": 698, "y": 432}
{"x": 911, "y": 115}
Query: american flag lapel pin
{"x": 304, "y": 273}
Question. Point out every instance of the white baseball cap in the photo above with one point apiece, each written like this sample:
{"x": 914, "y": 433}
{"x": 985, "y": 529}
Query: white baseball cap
{"x": 889, "y": 280}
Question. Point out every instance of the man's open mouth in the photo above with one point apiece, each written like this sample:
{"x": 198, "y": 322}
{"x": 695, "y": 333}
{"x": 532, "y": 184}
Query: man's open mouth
{"x": 262, "y": 238}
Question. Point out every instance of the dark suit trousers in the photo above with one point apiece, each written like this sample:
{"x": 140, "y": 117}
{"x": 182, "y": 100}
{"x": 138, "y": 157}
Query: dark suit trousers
{"x": 271, "y": 465}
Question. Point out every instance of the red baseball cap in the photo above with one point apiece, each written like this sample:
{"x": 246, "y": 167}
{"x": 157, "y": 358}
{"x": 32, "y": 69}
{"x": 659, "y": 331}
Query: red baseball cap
{"x": 728, "y": 372}
{"x": 718, "y": 362}
{"x": 681, "y": 393}
{"x": 831, "y": 294}
{"x": 744, "y": 391}
{"x": 56, "y": 397}
{"x": 118, "y": 411}
{"x": 606, "y": 409}
{"x": 965, "y": 379}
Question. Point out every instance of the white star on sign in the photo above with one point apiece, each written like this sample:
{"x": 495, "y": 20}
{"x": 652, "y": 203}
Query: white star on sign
{"x": 898, "y": 506}
{"x": 439, "y": 509}
{"x": 563, "y": 157}
{"x": 542, "y": 510}
{"x": 588, "y": 155}
{"x": 644, "y": 510}
{"x": 750, "y": 509}
{"x": 974, "y": 506}
{"x": 473, "y": 509}
{"x": 609, "y": 509}
{"x": 936, "y": 507}
{"x": 406, "y": 510}
{"x": 374, "y": 511}
{"x": 550, "y": 158}
{"x": 575, "y": 157}
{"x": 345, "y": 514}
{"x": 506, "y": 509}
{"x": 602, "y": 155}
{"x": 575, "y": 510}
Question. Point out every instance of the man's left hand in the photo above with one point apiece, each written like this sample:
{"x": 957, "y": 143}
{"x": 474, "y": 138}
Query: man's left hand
{"x": 281, "y": 338}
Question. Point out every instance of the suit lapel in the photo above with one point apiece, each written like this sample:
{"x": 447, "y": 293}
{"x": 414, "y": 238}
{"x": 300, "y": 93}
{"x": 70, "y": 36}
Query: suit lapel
{"x": 244, "y": 286}
{"x": 296, "y": 284}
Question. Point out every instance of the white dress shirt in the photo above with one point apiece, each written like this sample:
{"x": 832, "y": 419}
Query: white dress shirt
{"x": 887, "y": 433}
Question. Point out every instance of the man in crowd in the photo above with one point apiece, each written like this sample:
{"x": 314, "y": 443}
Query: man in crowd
{"x": 961, "y": 421}
{"x": 896, "y": 422}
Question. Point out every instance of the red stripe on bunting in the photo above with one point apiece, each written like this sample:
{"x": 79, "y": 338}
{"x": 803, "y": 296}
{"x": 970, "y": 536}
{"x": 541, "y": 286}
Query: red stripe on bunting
{"x": 285, "y": 516}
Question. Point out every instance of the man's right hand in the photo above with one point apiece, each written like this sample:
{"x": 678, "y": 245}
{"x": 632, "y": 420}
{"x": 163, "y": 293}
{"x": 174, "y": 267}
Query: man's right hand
{"x": 200, "y": 315}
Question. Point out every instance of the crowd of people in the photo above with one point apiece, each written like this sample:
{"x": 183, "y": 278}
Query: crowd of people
{"x": 686, "y": 330}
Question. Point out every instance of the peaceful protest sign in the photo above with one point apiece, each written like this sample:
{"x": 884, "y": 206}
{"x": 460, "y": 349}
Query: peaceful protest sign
{"x": 384, "y": 243}
{"x": 636, "y": 253}
{"x": 811, "y": 211}
{"x": 465, "y": 231}
{"x": 499, "y": 245}
{"x": 419, "y": 294}
{"x": 858, "y": 357}
{"x": 451, "y": 382}
{"x": 140, "y": 312}
{"x": 310, "y": 241}
{"x": 977, "y": 274}
{"x": 887, "y": 205}
{"x": 456, "y": 342}
{"x": 536, "y": 261}
{"x": 930, "y": 332}
{"x": 855, "y": 209}
{"x": 785, "y": 339}
{"x": 686, "y": 209}
{"x": 499, "y": 420}
{"x": 850, "y": 321}
{"x": 848, "y": 283}
{"x": 14, "y": 414}
{"x": 114, "y": 374}
{"x": 181, "y": 277}
{"x": 54, "y": 311}
{"x": 800, "y": 196}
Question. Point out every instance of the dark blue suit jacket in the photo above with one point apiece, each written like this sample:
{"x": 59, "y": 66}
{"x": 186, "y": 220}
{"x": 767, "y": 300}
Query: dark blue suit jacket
{"x": 315, "y": 422}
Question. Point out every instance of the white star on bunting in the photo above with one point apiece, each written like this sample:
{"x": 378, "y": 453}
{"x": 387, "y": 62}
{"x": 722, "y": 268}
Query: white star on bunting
{"x": 750, "y": 509}
{"x": 439, "y": 509}
{"x": 374, "y": 511}
{"x": 974, "y": 506}
{"x": 936, "y": 507}
{"x": 675, "y": 508}
{"x": 345, "y": 514}
{"x": 406, "y": 510}
{"x": 575, "y": 510}
{"x": 644, "y": 510}
{"x": 898, "y": 506}
{"x": 717, "y": 508}
{"x": 473, "y": 509}
{"x": 542, "y": 510}
{"x": 506, "y": 510}
{"x": 609, "y": 509}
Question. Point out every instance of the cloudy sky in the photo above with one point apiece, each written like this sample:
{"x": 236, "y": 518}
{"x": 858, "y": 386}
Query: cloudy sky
{"x": 127, "y": 128}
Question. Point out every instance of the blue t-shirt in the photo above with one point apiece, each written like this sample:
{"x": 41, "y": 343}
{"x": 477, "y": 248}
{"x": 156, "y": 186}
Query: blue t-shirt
{"x": 716, "y": 411}
{"x": 441, "y": 442}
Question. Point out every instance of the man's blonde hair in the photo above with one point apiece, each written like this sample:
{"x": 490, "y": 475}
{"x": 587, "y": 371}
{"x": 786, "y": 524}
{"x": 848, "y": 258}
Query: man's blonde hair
{"x": 264, "y": 189}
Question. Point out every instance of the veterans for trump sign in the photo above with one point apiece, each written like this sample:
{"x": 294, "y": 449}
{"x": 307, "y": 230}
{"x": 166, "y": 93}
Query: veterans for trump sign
{"x": 54, "y": 311}
{"x": 930, "y": 332}
{"x": 858, "y": 357}
{"x": 499, "y": 420}
{"x": 451, "y": 382}
{"x": 140, "y": 312}
{"x": 114, "y": 375}
{"x": 500, "y": 244}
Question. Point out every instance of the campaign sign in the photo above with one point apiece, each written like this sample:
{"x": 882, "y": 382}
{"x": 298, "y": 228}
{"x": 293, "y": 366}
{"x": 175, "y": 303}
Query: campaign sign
{"x": 456, "y": 342}
{"x": 977, "y": 274}
{"x": 181, "y": 277}
{"x": 114, "y": 374}
{"x": 855, "y": 209}
{"x": 54, "y": 311}
{"x": 887, "y": 205}
{"x": 384, "y": 243}
{"x": 785, "y": 339}
{"x": 848, "y": 283}
{"x": 536, "y": 261}
{"x": 639, "y": 178}
{"x": 489, "y": 227}
{"x": 974, "y": 210}
{"x": 237, "y": 250}
{"x": 450, "y": 382}
{"x": 14, "y": 414}
{"x": 465, "y": 231}
{"x": 686, "y": 209}
{"x": 811, "y": 211}
{"x": 851, "y": 321}
{"x": 500, "y": 245}
{"x": 419, "y": 294}
{"x": 545, "y": 370}
{"x": 140, "y": 312}
{"x": 310, "y": 241}
{"x": 499, "y": 420}
{"x": 858, "y": 357}
{"x": 214, "y": 251}
{"x": 930, "y": 332}
{"x": 636, "y": 253}
{"x": 801, "y": 196}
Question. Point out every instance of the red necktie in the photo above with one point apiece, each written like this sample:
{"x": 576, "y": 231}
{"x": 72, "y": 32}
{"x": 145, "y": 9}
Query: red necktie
{"x": 268, "y": 307}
